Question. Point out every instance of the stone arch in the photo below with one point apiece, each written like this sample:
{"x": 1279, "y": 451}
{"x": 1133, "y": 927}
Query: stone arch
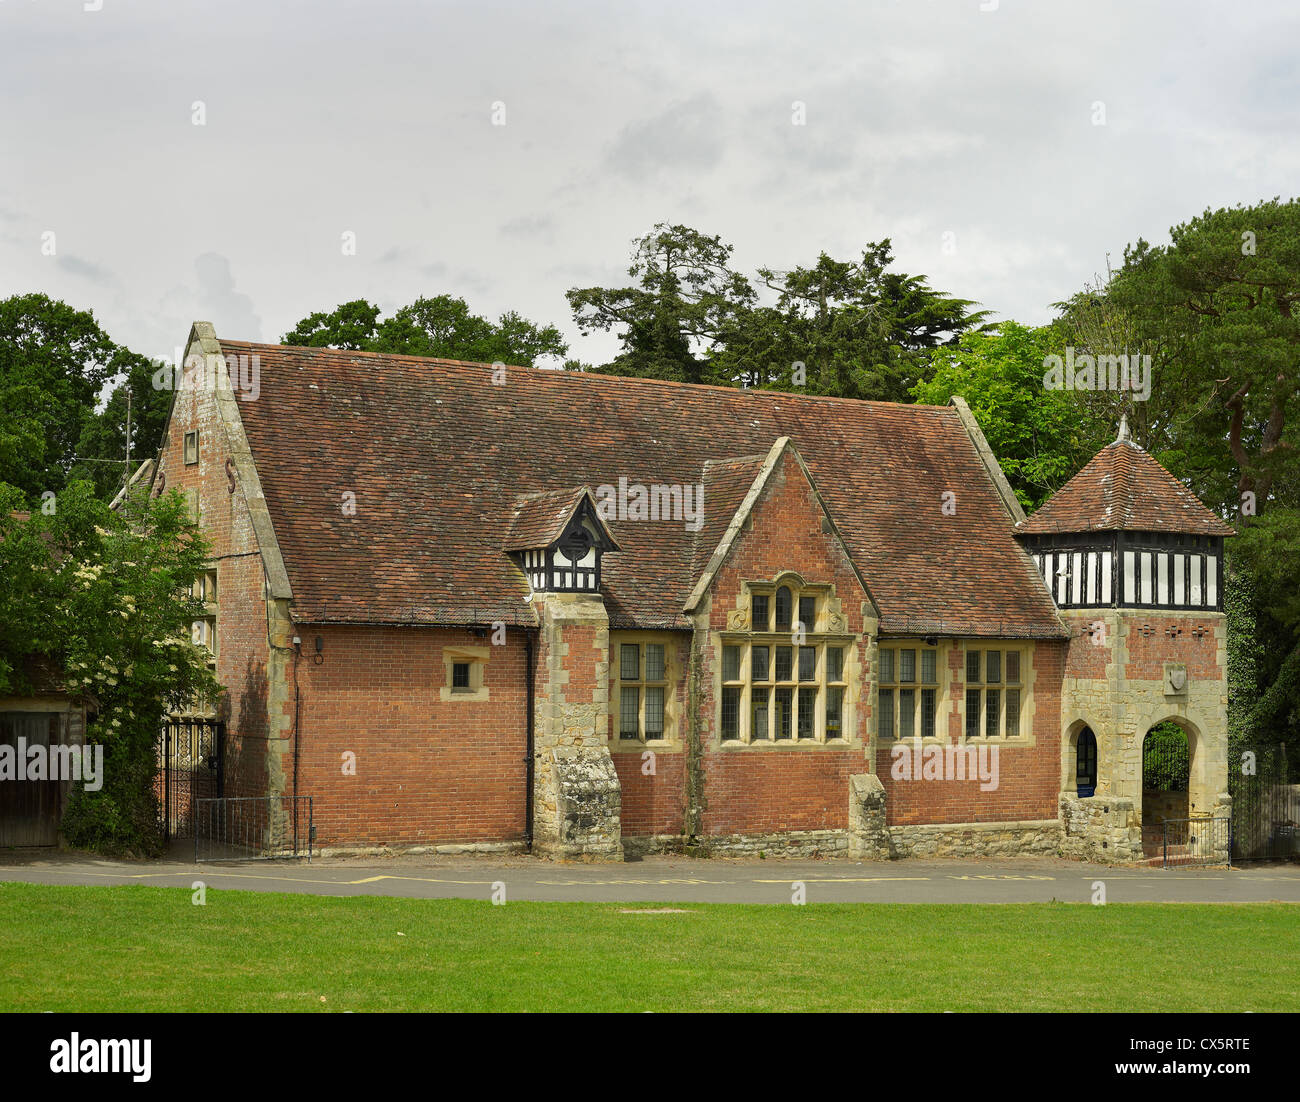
{"x": 1070, "y": 750}
{"x": 1170, "y": 768}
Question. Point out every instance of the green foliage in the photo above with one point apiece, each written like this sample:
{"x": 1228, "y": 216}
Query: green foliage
{"x": 104, "y": 595}
{"x": 1166, "y": 763}
{"x": 54, "y": 363}
{"x": 441, "y": 327}
{"x": 1040, "y": 436}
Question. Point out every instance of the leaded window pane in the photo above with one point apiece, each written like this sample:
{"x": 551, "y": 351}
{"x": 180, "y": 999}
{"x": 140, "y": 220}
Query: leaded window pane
{"x": 629, "y": 712}
{"x": 1013, "y": 713}
{"x": 885, "y": 709}
{"x": 973, "y": 666}
{"x": 807, "y": 713}
{"x": 784, "y": 705}
{"x": 928, "y": 664}
{"x": 1013, "y": 667}
{"x": 758, "y": 663}
{"x": 759, "y": 730}
{"x": 992, "y": 712}
{"x": 886, "y": 667}
{"x": 834, "y": 663}
{"x": 760, "y": 613}
{"x": 972, "y": 713}
{"x": 807, "y": 663}
{"x": 994, "y": 667}
{"x": 629, "y": 663}
{"x": 731, "y": 713}
{"x": 808, "y": 612}
{"x": 927, "y": 713}
{"x": 783, "y": 608}
{"x": 654, "y": 662}
{"x": 906, "y": 665}
{"x": 784, "y": 658}
{"x": 906, "y": 713}
{"x": 834, "y": 706}
{"x": 654, "y": 711}
{"x": 730, "y": 663}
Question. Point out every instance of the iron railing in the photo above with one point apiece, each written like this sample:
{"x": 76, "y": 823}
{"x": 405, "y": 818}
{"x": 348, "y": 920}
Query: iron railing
{"x": 242, "y": 828}
{"x": 1191, "y": 842}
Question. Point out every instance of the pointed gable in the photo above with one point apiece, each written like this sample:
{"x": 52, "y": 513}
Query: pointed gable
{"x": 1124, "y": 489}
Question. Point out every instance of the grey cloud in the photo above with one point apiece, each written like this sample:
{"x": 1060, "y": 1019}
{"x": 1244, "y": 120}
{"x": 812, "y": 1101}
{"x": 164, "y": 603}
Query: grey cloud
{"x": 230, "y": 311}
{"x": 686, "y": 136}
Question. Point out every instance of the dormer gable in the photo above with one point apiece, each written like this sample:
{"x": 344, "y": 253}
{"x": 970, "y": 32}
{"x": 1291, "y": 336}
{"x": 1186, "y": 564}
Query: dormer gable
{"x": 557, "y": 539}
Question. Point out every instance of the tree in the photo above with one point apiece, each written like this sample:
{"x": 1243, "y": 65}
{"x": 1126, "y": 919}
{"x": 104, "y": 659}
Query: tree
{"x": 103, "y": 595}
{"x": 686, "y": 300}
{"x": 1041, "y": 437}
{"x": 441, "y": 327}
{"x": 858, "y": 329}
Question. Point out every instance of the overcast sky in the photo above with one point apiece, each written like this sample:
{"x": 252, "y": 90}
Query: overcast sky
{"x": 376, "y": 118}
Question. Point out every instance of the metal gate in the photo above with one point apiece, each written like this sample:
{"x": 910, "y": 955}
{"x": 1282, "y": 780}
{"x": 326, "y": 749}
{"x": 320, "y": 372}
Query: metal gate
{"x": 191, "y": 767}
{"x": 1166, "y": 772}
{"x": 237, "y": 828}
{"x": 1196, "y": 842}
{"x": 1265, "y": 804}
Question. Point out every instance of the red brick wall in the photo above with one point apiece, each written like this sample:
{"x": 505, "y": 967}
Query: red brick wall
{"x": 427, "y": 771}
{"x": 243, "y": 649}
{"x": 1029, "y": 777}
{"x": 1147, "y": 654}
{"x": 780, "y": 788}
{"x": 656, "y": 803}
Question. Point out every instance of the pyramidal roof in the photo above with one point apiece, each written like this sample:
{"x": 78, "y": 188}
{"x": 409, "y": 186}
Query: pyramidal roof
{"x": 1123, "y": 488}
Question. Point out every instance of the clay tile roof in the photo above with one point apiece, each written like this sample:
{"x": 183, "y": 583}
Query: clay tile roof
{"x": 1124, "y": 488}
{"x": 539, "y": 519}
{"x": 438, "y": 456}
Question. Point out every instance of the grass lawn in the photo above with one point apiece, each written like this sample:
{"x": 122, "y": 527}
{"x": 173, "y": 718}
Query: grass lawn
{"x": 148, "y": 948}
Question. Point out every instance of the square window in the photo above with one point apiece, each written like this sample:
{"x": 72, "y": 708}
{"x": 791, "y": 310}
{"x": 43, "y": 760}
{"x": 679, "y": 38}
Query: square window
{"x": 808, "y": 612}
{"x": 834, "y": 663}
{"x": 906, "y": 665}
{"x": 629, "y": 713}
{"x": 629, "y": 666}
{"x": 784, "y": 658}
{"x": 191, "y": 448}
{"x": 886, "y": 667}
{"x": 759, "y": 614}
{"x": 973, "y": 666}
{"x": 807, "y": 663}
{"x": 758, "y": 663}
{"x": 460, "y": 675}
{"x": 654, "y": 662}
{"x": 654, "y": 711}
{"x": 731, "y": 713}
{"x": 730, "y": 663}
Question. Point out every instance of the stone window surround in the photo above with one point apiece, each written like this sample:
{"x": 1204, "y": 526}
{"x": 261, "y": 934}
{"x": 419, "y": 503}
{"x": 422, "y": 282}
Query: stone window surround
{"x": 828, "y": 629}
{"x": 477, "y": 657}
{"x": 670, "y": 641}
{"x": 941, "y": 685}
{"x": 191, "y": 447}
{"x": 950, "y": 703}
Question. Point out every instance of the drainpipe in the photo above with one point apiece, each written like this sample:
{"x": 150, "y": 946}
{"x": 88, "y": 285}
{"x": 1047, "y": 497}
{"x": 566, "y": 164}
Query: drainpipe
{"x": 528, "y": 760}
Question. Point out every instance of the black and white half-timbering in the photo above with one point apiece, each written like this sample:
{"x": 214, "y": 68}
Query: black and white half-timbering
{"x": 1131, "y": 569}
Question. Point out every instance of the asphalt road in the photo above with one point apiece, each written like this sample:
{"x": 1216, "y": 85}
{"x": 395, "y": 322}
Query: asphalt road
{"x": 680, "y": 880}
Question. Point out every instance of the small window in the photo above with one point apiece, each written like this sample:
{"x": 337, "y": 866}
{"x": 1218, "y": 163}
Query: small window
{"x": 760, "y": 617}
{"x": 191, "y": 448}
{"x": 460, "y": 675}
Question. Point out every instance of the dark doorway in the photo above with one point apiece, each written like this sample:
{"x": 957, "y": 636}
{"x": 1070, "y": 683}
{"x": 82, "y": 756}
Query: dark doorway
{"x": 30, "y": 811}
{"x": 1085, "y": 763}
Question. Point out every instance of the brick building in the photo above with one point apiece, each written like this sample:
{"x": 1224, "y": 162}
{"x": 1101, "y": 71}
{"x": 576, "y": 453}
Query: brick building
{"x": 469, "y": 605}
